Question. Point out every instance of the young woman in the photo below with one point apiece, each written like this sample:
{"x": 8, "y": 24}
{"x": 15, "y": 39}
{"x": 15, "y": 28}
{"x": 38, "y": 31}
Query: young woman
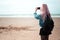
{"x": 46, "y": 29}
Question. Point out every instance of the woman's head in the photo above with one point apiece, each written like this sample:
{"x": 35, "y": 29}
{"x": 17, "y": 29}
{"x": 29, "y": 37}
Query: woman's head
{"x": 44, "y": 9}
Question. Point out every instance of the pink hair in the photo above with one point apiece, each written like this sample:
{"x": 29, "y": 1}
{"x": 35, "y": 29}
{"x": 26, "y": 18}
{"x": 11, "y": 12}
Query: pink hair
{"x": 46, "y": 11}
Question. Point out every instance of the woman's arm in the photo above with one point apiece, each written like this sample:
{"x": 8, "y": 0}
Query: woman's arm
{"x": 36, "y": 16}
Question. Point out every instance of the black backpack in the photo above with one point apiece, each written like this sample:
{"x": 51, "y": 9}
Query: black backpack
{"x": 48, "y": 24}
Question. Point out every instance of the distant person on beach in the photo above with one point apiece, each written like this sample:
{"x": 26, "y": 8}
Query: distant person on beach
{"x": 45, "y": 21}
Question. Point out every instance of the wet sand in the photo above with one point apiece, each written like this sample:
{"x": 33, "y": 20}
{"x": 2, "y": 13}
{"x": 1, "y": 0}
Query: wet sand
{"x": 25, "y": 29}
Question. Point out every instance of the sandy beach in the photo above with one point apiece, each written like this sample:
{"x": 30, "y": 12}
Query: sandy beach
{"x": 25, "y": 29}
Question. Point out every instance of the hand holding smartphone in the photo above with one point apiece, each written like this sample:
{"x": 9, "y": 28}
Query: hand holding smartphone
{"x": 37, "y": 8}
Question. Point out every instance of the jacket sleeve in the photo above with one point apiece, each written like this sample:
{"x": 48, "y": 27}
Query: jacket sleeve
{"x": 37, "y": 16}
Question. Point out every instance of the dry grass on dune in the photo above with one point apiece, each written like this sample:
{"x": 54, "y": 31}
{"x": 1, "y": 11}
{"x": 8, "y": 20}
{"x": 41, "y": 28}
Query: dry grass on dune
{"x": 10, "y": 28}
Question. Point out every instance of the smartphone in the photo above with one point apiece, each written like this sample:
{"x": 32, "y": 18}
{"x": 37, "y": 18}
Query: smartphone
{"x": 38, "y": 8}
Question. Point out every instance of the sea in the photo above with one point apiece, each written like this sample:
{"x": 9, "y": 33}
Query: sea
{"x": 26, "y": 15}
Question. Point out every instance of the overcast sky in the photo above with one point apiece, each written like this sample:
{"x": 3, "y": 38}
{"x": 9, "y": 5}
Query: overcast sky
{"x": 27, "y": 6}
